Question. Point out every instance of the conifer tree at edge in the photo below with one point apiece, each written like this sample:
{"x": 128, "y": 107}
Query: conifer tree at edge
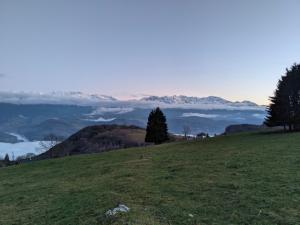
{"x": 157, "y": 128}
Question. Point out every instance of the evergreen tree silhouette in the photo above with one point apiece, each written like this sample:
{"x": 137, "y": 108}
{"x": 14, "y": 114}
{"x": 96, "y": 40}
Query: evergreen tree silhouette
{"x": 284, "y": 109}
{"x": 157, "y": 128}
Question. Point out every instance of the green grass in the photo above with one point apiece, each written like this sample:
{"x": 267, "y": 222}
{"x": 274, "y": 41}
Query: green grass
{"x": 240, "y": 179}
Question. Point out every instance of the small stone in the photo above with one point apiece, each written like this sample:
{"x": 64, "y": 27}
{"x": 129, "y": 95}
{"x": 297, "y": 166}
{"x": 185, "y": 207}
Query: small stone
{"x": 120, "y": 208}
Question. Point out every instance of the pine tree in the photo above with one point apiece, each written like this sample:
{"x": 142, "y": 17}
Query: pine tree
{"x": 157, "y": 129}
{"x": 284, "y": 109}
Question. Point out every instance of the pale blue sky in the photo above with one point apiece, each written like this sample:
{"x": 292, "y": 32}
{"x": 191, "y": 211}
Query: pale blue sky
{"x": 230, "y": 48}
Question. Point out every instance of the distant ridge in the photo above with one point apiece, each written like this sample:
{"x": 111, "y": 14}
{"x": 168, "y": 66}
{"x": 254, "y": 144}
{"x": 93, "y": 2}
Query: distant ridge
{"x": 181, "y": 99}
{"x": 97, "y": 139}
{"x": 210, "y": 102}
{"x": 84, "y": 99}
{"x": 68, "y": 98}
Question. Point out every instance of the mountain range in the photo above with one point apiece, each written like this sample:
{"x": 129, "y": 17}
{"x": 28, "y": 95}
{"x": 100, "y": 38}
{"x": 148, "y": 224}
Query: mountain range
{"x": 83, "y": 99}
{"x": 36, "y": 115}
{"x": 210, "y": 101}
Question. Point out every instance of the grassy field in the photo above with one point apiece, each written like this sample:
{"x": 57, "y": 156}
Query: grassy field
{"x": 239, "y": 179}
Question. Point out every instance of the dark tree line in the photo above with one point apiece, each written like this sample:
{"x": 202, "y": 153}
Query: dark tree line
{"x": 157, "y": 129}
{"x": 284, "y": 109}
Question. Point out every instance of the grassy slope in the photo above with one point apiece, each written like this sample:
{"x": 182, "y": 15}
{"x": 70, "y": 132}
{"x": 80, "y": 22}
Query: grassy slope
{"x": 239, "y": 179}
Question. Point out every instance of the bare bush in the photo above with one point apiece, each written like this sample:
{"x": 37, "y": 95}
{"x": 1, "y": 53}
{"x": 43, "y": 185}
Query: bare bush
{"x": 186, "y": 131}
{"x": 49, "y": 142}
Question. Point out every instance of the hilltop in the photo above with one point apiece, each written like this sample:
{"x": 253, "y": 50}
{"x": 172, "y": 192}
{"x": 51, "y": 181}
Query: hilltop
{"x": 96, "y": 139}
{"x": 249, "y": 178}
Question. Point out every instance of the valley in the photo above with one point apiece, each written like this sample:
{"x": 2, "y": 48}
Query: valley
{"x": 36, "y": 116}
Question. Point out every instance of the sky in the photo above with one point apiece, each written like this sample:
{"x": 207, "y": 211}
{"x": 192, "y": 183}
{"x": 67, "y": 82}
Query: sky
{"x": 235, "y": 49}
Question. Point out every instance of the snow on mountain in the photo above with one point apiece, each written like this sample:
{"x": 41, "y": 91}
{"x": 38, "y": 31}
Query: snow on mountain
{"x": 113, "y": 105}
{"x": 211, "y": 102}
{"x": 75, "y": 98}
{"x": 181, "y": 99}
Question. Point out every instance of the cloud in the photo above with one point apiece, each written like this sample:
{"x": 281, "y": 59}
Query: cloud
{"x": 200, "y": 115}
{"x": 114, "y": 110}
{"x": 259, "y": 116}
{"x": 138, "y": 96}
{"x": 101, "y": 119}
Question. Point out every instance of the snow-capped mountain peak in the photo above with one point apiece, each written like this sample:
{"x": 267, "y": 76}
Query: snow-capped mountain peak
{"x": 80, "y": 98}
{"x": 181, "y": 99}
